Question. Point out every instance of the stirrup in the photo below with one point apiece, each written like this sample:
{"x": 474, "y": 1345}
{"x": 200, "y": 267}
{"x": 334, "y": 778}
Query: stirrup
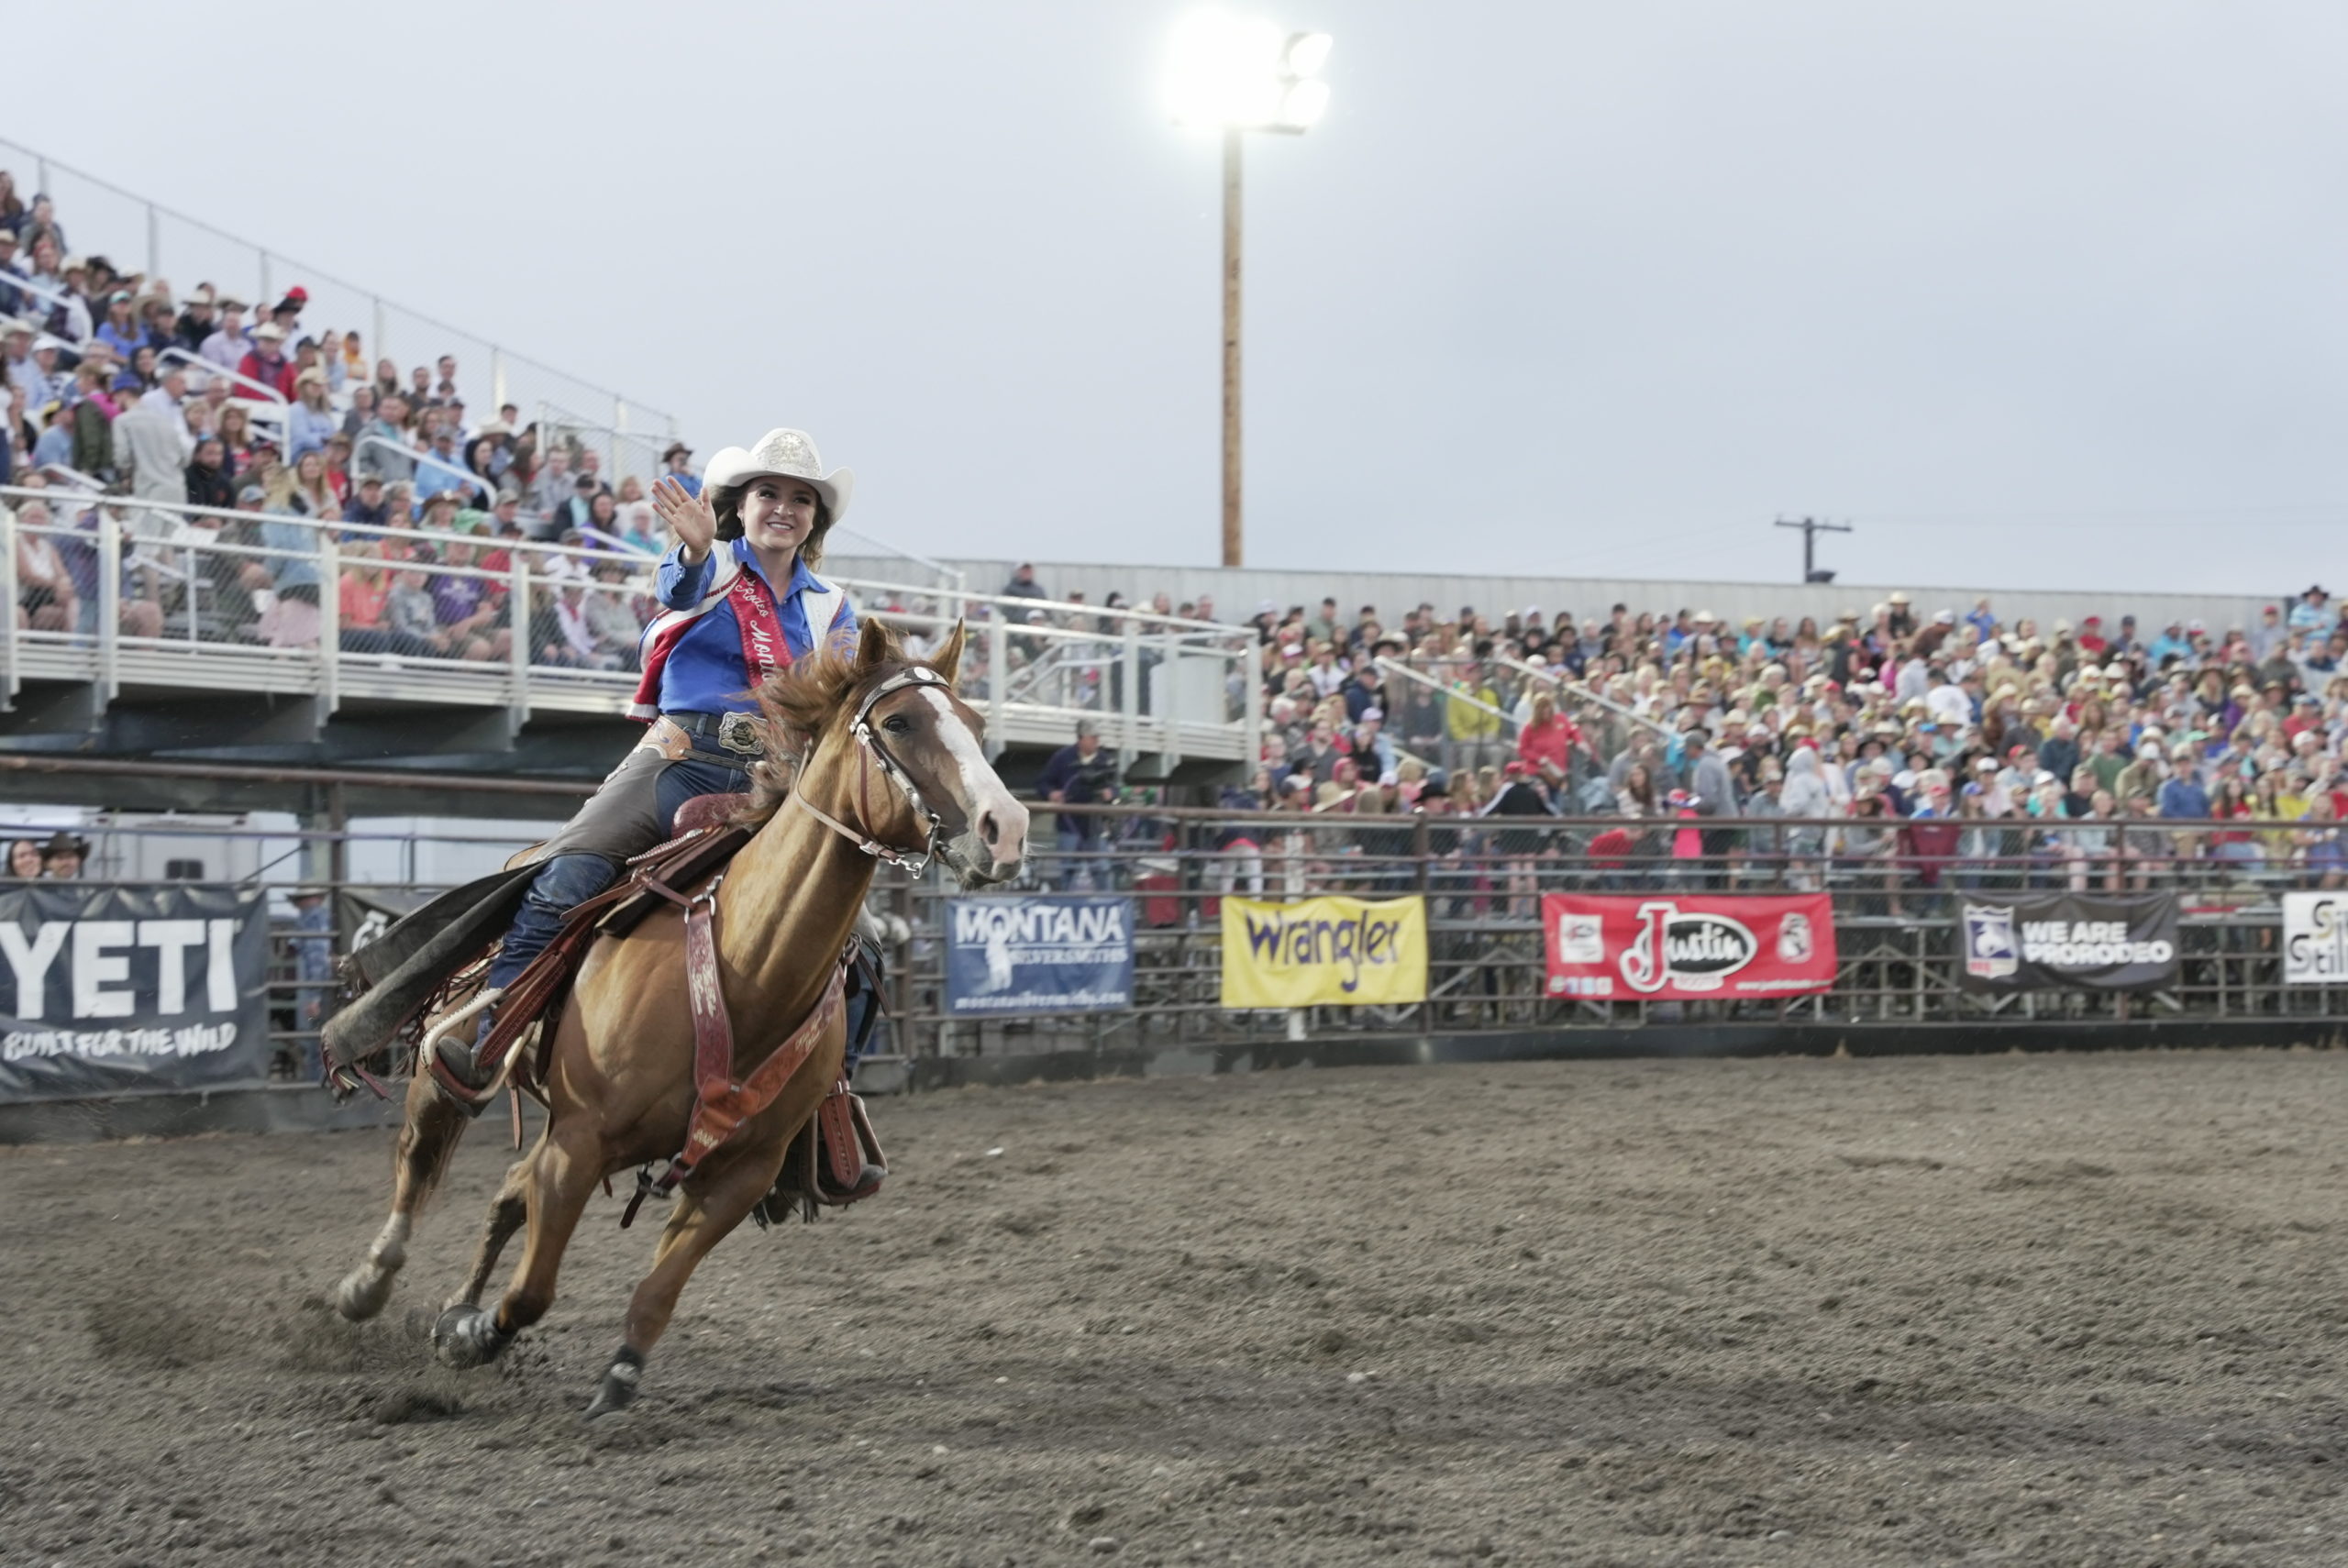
{"x": 458, "y": 1086}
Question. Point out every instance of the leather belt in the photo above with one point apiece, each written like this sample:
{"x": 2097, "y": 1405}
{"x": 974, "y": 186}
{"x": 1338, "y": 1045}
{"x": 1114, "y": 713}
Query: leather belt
{"x": 735, "y": 732}
{"x": 674, "y": 741}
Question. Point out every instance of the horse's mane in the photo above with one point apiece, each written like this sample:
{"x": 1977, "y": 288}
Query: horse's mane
{"x": 799, "y": 704}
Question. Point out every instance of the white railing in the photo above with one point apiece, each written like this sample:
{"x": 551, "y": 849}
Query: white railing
{"x": 137, "y": 594}
{"x": 266, "y": 405}
{"x": 470, "y": 480}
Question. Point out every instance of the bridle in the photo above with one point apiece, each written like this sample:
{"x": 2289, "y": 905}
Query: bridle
{"x": 915, "y": 861}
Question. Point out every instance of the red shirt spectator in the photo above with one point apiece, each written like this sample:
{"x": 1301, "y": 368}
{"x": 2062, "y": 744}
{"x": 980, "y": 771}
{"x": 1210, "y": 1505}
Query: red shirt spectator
{"x": 1547, "y": 743}
{"x": 266, "y": 365}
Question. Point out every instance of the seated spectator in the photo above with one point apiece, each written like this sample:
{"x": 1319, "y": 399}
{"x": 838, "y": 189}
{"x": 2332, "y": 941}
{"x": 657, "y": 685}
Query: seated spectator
{"x": 47, "y": 598}
{"x": 209, "y": 482}
{"x": 470, "y": 610}
{"x": 265, "y": 365}
{"x": 615, "y": 622}
{"x": 312, "y": 419}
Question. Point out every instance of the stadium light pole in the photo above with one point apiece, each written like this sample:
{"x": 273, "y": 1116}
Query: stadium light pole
{"x": 1237, "y": 75}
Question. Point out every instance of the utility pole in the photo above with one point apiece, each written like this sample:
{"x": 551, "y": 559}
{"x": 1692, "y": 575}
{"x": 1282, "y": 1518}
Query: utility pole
{"x": 1233, "y": 549}
{"x": 1810, "y": 528}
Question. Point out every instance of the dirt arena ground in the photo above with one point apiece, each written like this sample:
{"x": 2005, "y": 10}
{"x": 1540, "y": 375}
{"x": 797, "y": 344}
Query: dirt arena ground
{"x": 2030, "y": 1310}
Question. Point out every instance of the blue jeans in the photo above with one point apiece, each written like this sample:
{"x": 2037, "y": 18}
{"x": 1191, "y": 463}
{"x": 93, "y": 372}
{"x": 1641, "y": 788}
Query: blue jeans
{"x": 566, "y": 881}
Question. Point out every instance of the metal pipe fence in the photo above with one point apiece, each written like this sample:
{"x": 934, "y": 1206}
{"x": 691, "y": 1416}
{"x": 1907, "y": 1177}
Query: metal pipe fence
{"x": 1895, "y": 916}
{"x": 1896, "y": 898}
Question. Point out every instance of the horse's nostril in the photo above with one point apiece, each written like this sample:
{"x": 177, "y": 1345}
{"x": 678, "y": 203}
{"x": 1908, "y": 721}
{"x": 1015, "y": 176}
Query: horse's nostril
{"x": 989, "y": 829}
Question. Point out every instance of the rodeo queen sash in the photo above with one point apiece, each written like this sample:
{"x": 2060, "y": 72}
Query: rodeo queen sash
{"x": 765, "y": 649}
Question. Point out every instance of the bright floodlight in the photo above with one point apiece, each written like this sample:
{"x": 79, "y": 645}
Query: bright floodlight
{"x": 1242, "y": 74}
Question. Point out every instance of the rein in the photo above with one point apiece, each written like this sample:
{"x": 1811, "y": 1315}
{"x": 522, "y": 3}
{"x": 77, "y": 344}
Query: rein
{"x": 912, "y": 860}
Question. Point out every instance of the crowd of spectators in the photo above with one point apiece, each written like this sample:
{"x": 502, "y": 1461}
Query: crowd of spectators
{"x": 1906, "y": 750}
{"x": 1889, "y": 749}
{"x": 120, "y": 391}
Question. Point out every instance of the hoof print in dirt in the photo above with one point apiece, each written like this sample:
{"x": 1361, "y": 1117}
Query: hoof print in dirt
{"x": 411, "y": 1406}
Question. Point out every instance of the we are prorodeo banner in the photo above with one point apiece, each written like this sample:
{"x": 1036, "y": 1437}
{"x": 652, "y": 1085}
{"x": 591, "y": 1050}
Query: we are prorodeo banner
{"x": 109, "y": 988}
{"x": 1686, "y": 946}
{"x": 1324, "y": 951}
{"x": 1006, "y": 957}
{"x": 2315, "y": 939}
{"x": 2061, "y": 941}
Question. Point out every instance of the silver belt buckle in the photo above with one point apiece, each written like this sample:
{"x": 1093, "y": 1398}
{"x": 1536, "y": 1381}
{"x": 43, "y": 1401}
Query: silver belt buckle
{"x": 739, "y": 732}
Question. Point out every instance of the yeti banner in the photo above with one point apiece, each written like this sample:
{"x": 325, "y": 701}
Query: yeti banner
{"x": 1006, "y": 957}
{"x": 107, "y": 988}
{"x": 1687, "y": 946}
{"x": 2062, "y": 941}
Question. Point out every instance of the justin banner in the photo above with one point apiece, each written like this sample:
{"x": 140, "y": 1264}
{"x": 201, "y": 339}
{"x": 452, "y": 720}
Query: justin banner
{"x": 2062, "y": 941}
{"x": 1328, "y": 951}
{"x": 1686, "y": 946}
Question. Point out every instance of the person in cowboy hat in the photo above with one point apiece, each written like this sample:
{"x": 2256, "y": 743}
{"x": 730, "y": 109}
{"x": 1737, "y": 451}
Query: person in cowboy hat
{"x": 739, "y": 600}
{"x": 61, "y": 857}
{"x": 677, "y": 463}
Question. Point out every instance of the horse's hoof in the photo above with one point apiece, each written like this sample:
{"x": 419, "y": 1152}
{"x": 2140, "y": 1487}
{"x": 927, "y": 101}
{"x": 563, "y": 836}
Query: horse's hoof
{"x": 622, "y": 1380}
{"x": 466, "y": 1336}
{"x": 363, "y": 1292}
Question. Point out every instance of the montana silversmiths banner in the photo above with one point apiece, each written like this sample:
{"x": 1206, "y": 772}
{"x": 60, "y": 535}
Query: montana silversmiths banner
{"x": 2315, "y": 939}
{"x": 106, "y": 988}
{"x": 2058, "y": 940}
{"x": 1686, "y": 946}
{"x": 1010, "y": 956}
{"x": 1327, "y": 952}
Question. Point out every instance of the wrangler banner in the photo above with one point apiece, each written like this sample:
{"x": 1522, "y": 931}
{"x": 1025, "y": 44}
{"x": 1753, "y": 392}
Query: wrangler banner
{"x": 2062, "y": 941}
{"x": 1008, "y": 958}
{"x": 106, "y": 988}
{"x": 1327, "y": 952}
{"x": 1686, "y": 946}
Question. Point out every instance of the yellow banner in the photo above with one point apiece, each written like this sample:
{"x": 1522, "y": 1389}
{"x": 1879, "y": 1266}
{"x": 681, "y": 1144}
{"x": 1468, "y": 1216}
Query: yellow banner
{"x": 1324, "y": 951}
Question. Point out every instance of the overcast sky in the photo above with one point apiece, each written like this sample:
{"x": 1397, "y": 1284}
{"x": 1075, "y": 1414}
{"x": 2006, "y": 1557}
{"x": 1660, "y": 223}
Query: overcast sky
{"x": 2034, "y": 294}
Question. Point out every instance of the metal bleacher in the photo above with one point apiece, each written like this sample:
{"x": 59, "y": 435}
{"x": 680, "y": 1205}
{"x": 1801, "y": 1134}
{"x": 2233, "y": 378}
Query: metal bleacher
{"x": 235, "y": 675}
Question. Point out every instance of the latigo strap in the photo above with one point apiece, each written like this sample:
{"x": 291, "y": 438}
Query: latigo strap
{"x": 721, "y": 1101}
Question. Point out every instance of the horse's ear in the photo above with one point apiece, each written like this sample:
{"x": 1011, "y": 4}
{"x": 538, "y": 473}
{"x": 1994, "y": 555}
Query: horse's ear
{"x": 947, "y": 660}
{"x": 873, "y": 648}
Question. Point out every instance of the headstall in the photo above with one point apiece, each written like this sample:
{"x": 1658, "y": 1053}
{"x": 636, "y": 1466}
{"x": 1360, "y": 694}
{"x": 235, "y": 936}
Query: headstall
{"x": 913, "y": 861}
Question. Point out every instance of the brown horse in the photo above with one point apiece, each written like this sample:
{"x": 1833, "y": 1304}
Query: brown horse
{"x": 891, "y": 758}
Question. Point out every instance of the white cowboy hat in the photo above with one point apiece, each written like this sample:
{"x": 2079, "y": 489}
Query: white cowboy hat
{"x": 791, "y": 453}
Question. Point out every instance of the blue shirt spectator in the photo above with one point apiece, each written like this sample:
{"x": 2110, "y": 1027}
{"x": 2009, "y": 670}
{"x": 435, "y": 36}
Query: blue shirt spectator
{"x": 2183, "y": 795}
{"x": 312, "y": 428}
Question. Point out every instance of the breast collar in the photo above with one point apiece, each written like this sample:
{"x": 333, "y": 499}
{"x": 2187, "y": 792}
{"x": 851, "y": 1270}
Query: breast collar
{"x": 868, "y": 741}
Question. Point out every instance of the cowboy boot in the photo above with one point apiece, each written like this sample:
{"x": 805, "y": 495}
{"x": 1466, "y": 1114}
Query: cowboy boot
{"x": 453, "y": 1053}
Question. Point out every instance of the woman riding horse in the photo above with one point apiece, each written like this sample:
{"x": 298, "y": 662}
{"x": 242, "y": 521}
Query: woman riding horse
{"x": 738, "y": 603}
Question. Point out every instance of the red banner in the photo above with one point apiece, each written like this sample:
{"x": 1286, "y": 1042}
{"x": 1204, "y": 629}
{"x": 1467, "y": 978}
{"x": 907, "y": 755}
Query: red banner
{"x": 1691, "y": 947}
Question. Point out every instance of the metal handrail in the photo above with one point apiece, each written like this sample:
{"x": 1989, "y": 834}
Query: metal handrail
{"x": 424, "y": 458}
{"x": 203, "y": 647}
{"x": 954, "y": 575}
{"x": 189, "y": 509}
{"x": 284, "y": 411}
{"x": 1581, "y": 690}
{"x": 1395, "y": 668}
{"x": 80, "y": 480}
{"x": 1139, "y": 618}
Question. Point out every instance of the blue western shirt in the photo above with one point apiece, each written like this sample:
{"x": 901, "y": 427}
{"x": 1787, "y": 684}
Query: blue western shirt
{"x": 705, "y": 672}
